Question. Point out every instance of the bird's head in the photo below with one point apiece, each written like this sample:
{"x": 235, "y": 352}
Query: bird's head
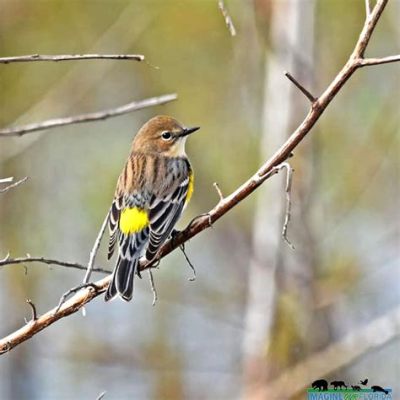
{"x": 162, "y": 134}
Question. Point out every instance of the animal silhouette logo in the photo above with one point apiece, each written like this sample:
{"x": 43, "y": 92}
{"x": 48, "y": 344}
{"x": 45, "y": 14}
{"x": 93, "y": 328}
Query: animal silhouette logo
{"x": 377, "y": 388}
{"x": 320, "y": 384}
{"x": 338, "y": 385}
{"x": 341, "y": 390}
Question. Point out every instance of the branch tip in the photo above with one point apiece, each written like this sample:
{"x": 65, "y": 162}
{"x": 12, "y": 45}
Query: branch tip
{"x": 367, "y": 8}
{"x": 101, "y": 395}
{"x": 299, "y": 86}
{"x": 7, "y": 180}
{"x": 6, "y": 258}
{"x": 227, "y": 17}
{"x": 153, "y": 287}
{"x": 217, "y": 188}
{"x": 13, "y": 185}
{"x": 74, "y": 290}
{"x": 33, "y": 308}
{"x": 367, "y": 62}
{"x": 152, "y": 65}
{"x": 193, "y": 277}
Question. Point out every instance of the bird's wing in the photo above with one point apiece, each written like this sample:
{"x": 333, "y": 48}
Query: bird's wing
{"x": 113, "y": 222}
{"x": 131, "y": 229}
{"x": 164, "y": 213}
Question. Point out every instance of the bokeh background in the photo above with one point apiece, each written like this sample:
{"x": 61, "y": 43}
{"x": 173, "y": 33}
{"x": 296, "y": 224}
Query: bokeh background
{"x": 262, "y": 321}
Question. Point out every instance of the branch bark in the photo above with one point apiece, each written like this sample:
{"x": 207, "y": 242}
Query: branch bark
{"x": 70, "y": 57}
{"x": 228, "y": 20}
{"x": 49, "y": 261}
{"x": 12, "y": 185}
{"x": 94, "y": 116}
{"x": 366, "y": 62}
{"x": 204, "y": 221}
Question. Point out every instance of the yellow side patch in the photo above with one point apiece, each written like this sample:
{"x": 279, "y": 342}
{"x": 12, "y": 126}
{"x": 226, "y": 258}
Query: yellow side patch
{"x": 190, "y": 187}
{"x": 133, "y": 220}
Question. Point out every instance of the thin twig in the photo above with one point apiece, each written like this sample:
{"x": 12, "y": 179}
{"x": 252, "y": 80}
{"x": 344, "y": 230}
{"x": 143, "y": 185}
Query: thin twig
{"x": 22, "y": 260}
{"x": 227, "y": 17}
{"x": 70, "y": 57}
{"x": 95, "y": 249}
{"x": 6, "y": 180}
{"x": 367, "y": 30}
{"x": 217, "y": 188}
{"x": 153, "y": 287}
{"x": 182, "y": 249}
{"x": 33, "y": 308}
{"x": 13, "y": 185}
{"x": 94, "y": 116}
{"x": 288, "y": 188}
{"x": 301, "y": 88}
{"x": 74, "y": 290}
{"x": 367, "y": 62}
{"x": 5, "y": 258}
{"x": 204, "y": 221}
{"x": 101, "y": 395}
{"x": 367, "y": 8}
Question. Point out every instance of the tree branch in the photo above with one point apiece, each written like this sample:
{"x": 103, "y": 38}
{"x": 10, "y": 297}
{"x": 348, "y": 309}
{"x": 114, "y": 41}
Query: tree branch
{"x": 6, "y": 180}
{"x": 95, "y": 116}
{"x": 33, "y": 309}
{"x": 301, "y": 88}
{"x": 288, "y": 208}
{"x": 227, "y": 17}
{"x": 25, "y": 260}
{"x": 366, "y": 62}
{"x": 70, "y": 57}
{"x": 13, "y": 185}
{"x": 218, "y": 189}
{"x": 95, "y": 249}
{"x": 204, "y": 221}
{"x": 368, "y": 29}
{"x": 367, "y": 9}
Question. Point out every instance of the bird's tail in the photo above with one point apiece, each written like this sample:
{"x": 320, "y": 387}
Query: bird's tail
{"x": 122, "y": 279}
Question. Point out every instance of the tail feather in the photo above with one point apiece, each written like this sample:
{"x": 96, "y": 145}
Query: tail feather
{"x": 111, "y": 290}
{"x": 122, "y": 281}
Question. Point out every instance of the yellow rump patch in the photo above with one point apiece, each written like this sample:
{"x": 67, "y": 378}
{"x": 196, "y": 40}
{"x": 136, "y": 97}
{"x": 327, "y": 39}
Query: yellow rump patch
{"x": 133, "y": 220}
{"x": 190, "y": 188}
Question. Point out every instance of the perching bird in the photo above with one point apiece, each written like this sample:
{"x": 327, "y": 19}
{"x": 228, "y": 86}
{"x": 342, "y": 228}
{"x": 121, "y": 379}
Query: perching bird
{"x": 153, "y": 189}
{"x": 364, "y": 382}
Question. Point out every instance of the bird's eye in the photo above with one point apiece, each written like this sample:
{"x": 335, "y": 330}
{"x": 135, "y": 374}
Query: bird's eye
{"x": 166, "y": 135}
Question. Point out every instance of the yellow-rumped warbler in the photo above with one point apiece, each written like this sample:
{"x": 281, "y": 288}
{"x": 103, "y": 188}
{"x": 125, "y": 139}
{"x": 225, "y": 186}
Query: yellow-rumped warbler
{"x": 152, "y": 191}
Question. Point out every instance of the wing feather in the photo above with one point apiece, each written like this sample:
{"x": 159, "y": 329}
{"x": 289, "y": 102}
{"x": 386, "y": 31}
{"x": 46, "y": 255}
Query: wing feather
{"x": 113, "y": 220}
{"x": 164, "y": 213}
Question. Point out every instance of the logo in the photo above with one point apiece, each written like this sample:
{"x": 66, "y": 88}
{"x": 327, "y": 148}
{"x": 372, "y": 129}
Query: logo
{"x": 338, "y": 390}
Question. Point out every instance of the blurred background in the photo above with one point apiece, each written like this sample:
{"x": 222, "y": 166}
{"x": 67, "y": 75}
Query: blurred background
{"x": 261, "y": 321}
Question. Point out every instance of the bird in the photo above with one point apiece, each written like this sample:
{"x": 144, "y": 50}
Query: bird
{"x": 154, "y": 187}
{"x": 364, "y": 382}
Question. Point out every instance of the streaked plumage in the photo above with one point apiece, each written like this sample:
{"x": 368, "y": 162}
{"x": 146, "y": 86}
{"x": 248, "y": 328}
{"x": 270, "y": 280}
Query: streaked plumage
{"x": 152, "y": 191}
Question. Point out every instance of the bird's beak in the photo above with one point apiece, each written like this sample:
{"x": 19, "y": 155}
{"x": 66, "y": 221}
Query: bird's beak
{"x": 188, "y": 131}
